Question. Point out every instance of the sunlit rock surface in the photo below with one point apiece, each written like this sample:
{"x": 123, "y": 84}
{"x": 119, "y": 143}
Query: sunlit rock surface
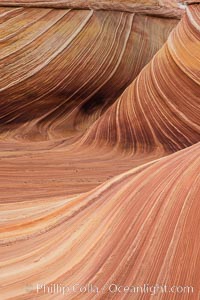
{"x": 99, "y": 147}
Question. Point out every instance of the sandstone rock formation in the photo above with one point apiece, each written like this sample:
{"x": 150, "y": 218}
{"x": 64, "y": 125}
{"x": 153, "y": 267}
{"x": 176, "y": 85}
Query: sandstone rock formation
{"x": 100, "y": 144}
{"x": 61, "y": 68}
{"x": 155, "y": 111}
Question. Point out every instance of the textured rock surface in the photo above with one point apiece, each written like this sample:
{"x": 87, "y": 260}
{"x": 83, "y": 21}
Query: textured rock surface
{"x": 160, "y": 109}
{"x": 166, "y": 8}
{"x": 136, "y": 228}
{"x": 99, "y": 150}
{"x": 53, "y": 81}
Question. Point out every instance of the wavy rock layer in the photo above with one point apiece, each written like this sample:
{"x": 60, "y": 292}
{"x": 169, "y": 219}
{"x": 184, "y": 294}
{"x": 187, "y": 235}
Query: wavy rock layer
{"x": 135, "y": 228}
{"x": 52, "y": 82}
{"x": 118, "y": 202}
{"x": 161, "y": 108}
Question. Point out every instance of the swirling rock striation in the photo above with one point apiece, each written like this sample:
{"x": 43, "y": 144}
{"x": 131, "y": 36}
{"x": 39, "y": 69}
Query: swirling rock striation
{"x": 117, "y": 202}
{"x": 161, "y": 108}
{"x": 61, "y": 68}
{"x": 133, "y": 229}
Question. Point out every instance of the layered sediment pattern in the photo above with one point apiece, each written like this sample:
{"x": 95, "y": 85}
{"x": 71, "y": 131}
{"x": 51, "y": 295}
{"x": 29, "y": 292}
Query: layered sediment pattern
{"x": 160, "y": 109}
{"x": 100, "y": 144}
{"x": 61, "y": 69}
